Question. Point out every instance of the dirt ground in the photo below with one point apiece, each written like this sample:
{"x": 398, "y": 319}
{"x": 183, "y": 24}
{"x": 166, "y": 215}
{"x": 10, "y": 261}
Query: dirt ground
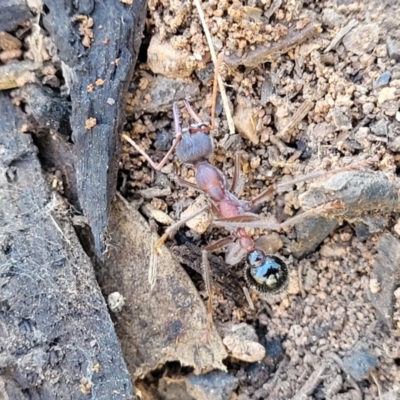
{"x": 311, "y": 85}
{"x": 350, "y": 82}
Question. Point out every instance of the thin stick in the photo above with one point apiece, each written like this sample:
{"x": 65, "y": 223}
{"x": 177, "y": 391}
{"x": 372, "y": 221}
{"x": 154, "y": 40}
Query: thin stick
{"x": 215, "y": 89}
{"x": 224, "y": 97}
{"x": 341, "y": 34}
{"x": 298, "y": 116}
{"x": 152, "y": 264}
{"x": 248, "y": 298}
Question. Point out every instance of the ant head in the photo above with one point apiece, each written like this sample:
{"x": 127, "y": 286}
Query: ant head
{"x": 266, "y": 273}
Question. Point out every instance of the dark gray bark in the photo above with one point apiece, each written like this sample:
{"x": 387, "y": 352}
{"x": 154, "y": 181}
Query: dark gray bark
{"x": 111, "y": 57}
{"x": 56, "y": 337}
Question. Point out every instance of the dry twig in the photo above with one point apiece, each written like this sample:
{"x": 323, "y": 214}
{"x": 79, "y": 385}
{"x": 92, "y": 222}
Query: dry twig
{"x": 340, "y": 35}
{"x": 224, "y": 97}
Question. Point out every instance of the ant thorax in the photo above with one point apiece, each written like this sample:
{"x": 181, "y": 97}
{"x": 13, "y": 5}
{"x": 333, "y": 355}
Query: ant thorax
{"x": 196, "y": 144}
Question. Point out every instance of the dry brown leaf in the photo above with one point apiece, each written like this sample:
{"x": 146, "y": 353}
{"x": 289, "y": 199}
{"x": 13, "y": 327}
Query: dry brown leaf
{"x": 166, "y": 324}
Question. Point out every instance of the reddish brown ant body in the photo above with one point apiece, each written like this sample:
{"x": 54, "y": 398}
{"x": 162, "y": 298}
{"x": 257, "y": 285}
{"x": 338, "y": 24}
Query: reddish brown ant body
{"x": 194, "y": 145}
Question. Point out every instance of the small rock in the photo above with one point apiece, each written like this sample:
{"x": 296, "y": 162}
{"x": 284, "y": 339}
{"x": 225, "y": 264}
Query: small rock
{"x": 331, "y": 18}
{"x": 386, "y": 94}
{"x": 267, "y": 89}
{"x": 386, "y": 271}
{"x": 9, "y": 42}
{"x": 246, "y": 120}
{"x": 345, "y": 236}
{"x": 274, "y": 352}
{"x": 362, "y": 39}
{"x": 270, "y": 243}
{"x": 394, "y": 146}
{"x": 397, "y": 227}
{"x": 383, "y": 79}
{"x": 381, "y": 50}
{"x": 255, "y": 162}
{"x": 242, "y": 343}
{"x": 164, "y": 59}
{"x": 380, "y": 128}
{"x": 310, "y": 280}
{"x": 310, "y": 233}
{"x": 342, "y": 118}
{"x": 161, "y": 92}
{"x": 200, "y": 223}
{"x": 8, "y": 55}
{"x": 115, "y": 301}
{"x": 153, "y": 192}
{"x": 368, "y": 108}
{"x": 164, "y": 139}
{"x": 293, "y": 287}
{"x": 394, "y": 49}
{"x": 374, "y": 286}
{"x": 359, "y": 363}
{"x": 214, "y": 385}
{"x": 158, "y": 215}
{"x": 333, "y": 251}
{"x": 206, "y": 74}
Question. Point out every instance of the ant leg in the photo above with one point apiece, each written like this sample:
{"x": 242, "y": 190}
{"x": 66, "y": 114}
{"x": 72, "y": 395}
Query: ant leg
{"x": 320, "y": 174}
{"x": 219, "y": 244}
{"x": 191, "y": 112}
{"x": 178, "y": 137}
{"x": 236, "y": 174}
{"x": 188, "y": 184}
{"x": 215, "y": 89}
{"x": 171, "y": 229}
{"x": 207, "y": 279}
{"x": 252, "y": 221}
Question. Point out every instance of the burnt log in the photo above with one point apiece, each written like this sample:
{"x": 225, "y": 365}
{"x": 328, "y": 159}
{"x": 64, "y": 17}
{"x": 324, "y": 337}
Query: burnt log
{"x": 56, "y": 337}
{"x": 13, "y": 13}
{"x": 97, "y": 77}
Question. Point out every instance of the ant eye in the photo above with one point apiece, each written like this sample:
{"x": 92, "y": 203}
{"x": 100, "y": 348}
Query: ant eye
{"x": 265, "y": 273}
{"x": 255, "y": 258}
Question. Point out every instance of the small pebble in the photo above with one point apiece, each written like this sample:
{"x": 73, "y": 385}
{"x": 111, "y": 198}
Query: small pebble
{"x": 244, "y": 120}
{"x": 200, "y": 223}
{"x": 9, "y": 42}
{"x": 241, "y": 342}
{"x": 331, "y": 18}
{"x": 255, "y": 162}
{"x": 115, "y": 301}
{"x": 345, "y": 236}
{"x": 333, "y": 251}
{"x": 368, "y": 108}
{"x": 158, "y": 215}
{"x": 359, "y": 363}
{"x": 9, "y": 55}
{"x": 386, "y": 94}
{"x": 164, "y": 59}
{"x": 394, "y": 146}
{"x": 270, "y": 243}
{"x": 393, "y": 47}
{"x": 383, "y": 79}
{"x": 374, "y": 285}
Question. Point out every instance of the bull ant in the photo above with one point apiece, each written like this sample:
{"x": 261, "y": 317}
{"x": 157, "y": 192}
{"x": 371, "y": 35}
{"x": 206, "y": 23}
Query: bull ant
{"x": 193, "y": 145}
